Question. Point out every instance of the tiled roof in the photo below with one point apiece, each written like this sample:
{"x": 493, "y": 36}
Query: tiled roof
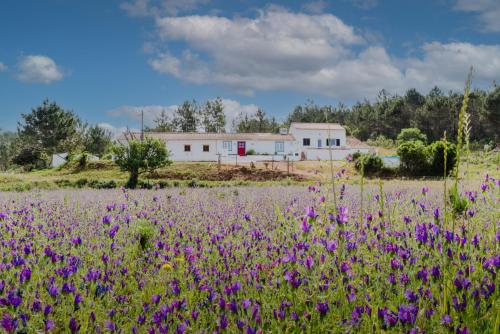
{"x": 173, "y": 136}
{"x": 317, "y": 126}
{"x": 353, "y": 142}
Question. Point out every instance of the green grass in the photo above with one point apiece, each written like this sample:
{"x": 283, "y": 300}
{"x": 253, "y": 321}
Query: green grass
{"x": 102, "y": 174}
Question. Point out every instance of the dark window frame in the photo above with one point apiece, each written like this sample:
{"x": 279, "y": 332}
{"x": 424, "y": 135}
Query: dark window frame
{"x": 206, "y": 148}
{"x": 306, "y": 141}
{"x": 187, "y": 148}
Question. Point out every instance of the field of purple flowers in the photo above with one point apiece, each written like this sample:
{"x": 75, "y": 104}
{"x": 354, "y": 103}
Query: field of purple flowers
{"x": 250, "y": 260}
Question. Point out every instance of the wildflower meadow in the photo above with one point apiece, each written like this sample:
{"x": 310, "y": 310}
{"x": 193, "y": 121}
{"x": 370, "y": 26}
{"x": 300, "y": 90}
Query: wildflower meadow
{"x": 390, "y": 259}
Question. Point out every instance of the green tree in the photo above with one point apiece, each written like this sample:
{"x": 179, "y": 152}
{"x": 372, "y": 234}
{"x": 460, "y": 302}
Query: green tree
{"x": 49, "y": 129}
{"x": 492, "y": 115}
{"x": 213, "y": 118}
{"x": 97, "y": 140}
{"x": 139, "y": 157}
{"x": 411, "y": 134}
{"x": 413, "y": 155}
{"x": 7, "y": 148}
{"x": 435, "y": 152}
{"x": 186, "y": 117}
{"x": 163, "y": 123}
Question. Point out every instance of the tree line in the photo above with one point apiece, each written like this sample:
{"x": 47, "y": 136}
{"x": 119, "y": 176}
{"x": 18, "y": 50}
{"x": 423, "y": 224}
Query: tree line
{"x": 433, "y": 114}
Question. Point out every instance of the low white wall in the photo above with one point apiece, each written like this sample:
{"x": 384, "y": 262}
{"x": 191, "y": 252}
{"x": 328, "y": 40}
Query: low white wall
{"x": 255, "y": 158}
{"x": 337, "y": 154}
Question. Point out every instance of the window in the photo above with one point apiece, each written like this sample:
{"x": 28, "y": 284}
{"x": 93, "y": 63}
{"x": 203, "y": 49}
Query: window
{"x": 319, "y": 142}
{"x": 332, "y": 142}
{"x": 306, "y": 142}
{"x": 187, "y": 148}
{"x": 227, "y": 145}
{"x": 279, "y": 146}
{"x": 206, "y": 148}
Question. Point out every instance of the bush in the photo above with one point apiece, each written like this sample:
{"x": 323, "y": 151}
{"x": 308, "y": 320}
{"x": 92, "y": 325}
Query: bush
{"x": 102, "y": 184}
{"x": 371, "y": 163}
{"x": 251, "y": 152}
{"x": 411, "y": 134}
{"x": 381, "y": 141}
{"x": 413, "y": 155}
{"x": 80, "y": 183}
{"x": 435, "y": 153}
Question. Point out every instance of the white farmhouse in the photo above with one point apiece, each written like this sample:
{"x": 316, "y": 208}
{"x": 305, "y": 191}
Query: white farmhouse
{"x": 303, "y": 141}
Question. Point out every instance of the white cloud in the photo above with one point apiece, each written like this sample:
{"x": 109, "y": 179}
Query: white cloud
{"x": 144, "y": 8}
{"x": 3, "y": 67}
{"x": 232, "y": 108}
{"x": 317, "y": 54}
{"x": 488, "y": 12}
{"x": 315, "y": 7}
{"x": 133, "y": 113}
{"x": 39, "y": 69}
{"x": 446, "y": 65}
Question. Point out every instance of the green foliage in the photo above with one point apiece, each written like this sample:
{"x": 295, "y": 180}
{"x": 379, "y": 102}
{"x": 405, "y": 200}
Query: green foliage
{"x": 381, "y": 141}
{"x": 371, "y": 164}
{"x": 411, "y": 134}
{"x": 436, "y": 157}
{"x": 250, "y": 152}
{"x": 413, "y": 155}
{"x": 97, "y": 140}
{"x": 213, "y": 118}
{"x": 458, "y": 203}
{"x": 146, "y": 233}
{"x": 139, "y": 157}
{"x": 186, "y": 117}
{"x": 49, "y": 128}
{"x": 7, "y": 149}
{"x": 259, "y": 122}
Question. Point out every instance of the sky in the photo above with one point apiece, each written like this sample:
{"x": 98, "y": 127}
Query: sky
{"x": 106, "y": 60}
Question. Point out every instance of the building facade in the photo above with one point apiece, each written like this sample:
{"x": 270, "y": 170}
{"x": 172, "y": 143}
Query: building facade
{"x": 303, "y": 141}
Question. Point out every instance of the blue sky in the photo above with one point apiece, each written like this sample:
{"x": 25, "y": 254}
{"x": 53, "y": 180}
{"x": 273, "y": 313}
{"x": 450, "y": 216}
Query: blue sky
{"x": 108, "y": 59}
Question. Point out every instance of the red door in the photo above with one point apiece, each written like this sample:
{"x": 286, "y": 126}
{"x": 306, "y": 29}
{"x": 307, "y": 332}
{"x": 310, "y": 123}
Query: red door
{"x": 241, "y": 148}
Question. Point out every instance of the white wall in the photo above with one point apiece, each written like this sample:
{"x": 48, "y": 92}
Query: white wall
{"x": 177, "y": 153}
{"x": 337, "y": 153}
{"x": 261, "y": 147}
{"x": 314, "y": 135}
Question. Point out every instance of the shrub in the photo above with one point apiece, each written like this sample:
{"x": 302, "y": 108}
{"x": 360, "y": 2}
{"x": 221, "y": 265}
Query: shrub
{"x": 413, "y": 155}
{"x": 381, "y": 141}
{"x": 95, "y": 184}
{"x": 80, "y": 183}
{"x": 251, "y": 152}
{"x": 435, "y": 153}
{"x": 356, "y": 156}
{"x": 411, "y": 134}
{"x": 371, "y": 162}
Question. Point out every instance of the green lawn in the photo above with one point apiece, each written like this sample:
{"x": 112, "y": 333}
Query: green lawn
{"x": 104, "y": 174}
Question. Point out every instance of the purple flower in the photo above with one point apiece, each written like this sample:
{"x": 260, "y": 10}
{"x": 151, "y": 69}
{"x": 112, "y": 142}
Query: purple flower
{"x": 74, "y": 327}
{"x": 446, "y": 320}
{"x": 25, "y": 275}
{"x": 9, "y": 323}
{"x": 342, "y": 216}
{"x": 53, "y": 290}
{"x": 322, "y": 307}
{"x": 407, "y": 314}
{"x": 155, "y": 299}
{"x": 309, "y": 262}
{"x": 49, "y": 325}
